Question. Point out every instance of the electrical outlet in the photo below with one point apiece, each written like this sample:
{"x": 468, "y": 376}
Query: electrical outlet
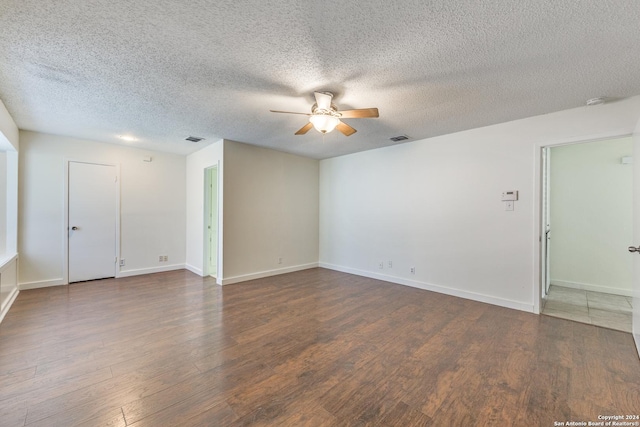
{"x": 165, "y": 258}
{"x": 380, "y": 265}
{"x": 280, "y": 260}
{"x": 508, "y": 206}
{"x": 121, "y": 262}
{"x": 390, "y": 264}
{"x": 413, "y": 270}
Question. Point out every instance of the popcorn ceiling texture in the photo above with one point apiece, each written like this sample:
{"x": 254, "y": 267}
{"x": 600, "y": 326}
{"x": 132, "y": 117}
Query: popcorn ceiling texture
{"x": 162, "y": 70}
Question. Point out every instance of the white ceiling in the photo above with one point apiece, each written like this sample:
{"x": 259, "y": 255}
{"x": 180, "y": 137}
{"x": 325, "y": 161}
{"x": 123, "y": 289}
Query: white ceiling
{"x": 162, "y": 70}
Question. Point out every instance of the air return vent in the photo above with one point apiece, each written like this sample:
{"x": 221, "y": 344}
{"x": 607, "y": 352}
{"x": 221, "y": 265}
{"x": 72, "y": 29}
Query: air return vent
{"x": 399, "y": 138}
{"x": 194, "y": 139}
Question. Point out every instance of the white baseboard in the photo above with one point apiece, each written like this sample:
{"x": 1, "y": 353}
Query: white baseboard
{"x": 139, "y": 271}
{"x": 435, "y": 288}
{"x": 126, "y": 273}
{"x": 12, "y": 297}
{"x": 268, "y": 273}
{"x": 593, "y": 288}
{"x": 195, "y": 270}
{"x": 41, "y": 284}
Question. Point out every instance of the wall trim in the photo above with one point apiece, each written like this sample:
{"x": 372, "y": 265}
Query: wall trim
{"x": 194, "y": 269}
{"x": 268, "y": 273}
{"x": 435, "y": 288}
{"x": 41, "y": 284}
{"x": 127, "y": 273}
{"x": 151, "y": 270}
{"x": 593, "y": 288}
{"x": 12, "y": 297}
{"x": 5, "y": 261}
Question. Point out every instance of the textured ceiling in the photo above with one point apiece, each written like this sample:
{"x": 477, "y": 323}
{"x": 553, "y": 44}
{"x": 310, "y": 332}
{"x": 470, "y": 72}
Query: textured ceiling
{"x": 162, "y": 70}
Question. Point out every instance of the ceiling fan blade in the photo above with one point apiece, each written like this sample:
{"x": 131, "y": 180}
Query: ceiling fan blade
{"x": 345, "y": 129}
{"x": 323, "y": 100}
{"x": 289, "y": 112}
{"x": 304, "y": 129}
{"x": 362, "y": 113}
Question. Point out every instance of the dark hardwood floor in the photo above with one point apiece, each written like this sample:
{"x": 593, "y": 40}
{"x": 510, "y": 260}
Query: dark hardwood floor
{"x": 312, "y": 348}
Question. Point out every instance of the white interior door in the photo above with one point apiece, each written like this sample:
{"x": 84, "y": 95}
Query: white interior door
{"x": 92, "y": 221}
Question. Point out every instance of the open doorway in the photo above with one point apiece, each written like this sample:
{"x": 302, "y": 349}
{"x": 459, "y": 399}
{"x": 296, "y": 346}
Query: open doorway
{"x": 211, "y": 222}
{"x": 586, "y": 227}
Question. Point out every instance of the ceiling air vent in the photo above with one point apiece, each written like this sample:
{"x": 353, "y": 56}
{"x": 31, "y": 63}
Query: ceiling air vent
{"x": 194, "y": 139}
{"x": 399, "y": 138}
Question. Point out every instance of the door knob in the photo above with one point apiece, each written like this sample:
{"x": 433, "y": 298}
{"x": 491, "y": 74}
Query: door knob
{"x": 633, "y": 249}
{"x": 74, "y": 228}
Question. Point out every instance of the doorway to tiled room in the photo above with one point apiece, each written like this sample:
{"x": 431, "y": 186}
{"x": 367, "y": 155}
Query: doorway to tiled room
{"x": 587, "y": 223}
{"x": 596, "y": 308}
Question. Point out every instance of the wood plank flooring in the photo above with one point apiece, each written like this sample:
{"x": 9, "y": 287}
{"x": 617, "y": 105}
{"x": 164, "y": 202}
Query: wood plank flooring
{"x": 312, "y": 348}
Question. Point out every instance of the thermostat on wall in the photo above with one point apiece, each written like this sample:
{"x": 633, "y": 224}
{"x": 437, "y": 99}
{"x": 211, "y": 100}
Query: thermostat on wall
{"x": 508, "y": 196}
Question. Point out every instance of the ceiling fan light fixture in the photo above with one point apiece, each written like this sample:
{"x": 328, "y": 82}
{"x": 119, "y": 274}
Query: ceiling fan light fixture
{"x": 325, "y": 116}
{"x": 128, "y": 138}
{"x": 324, "y": 123}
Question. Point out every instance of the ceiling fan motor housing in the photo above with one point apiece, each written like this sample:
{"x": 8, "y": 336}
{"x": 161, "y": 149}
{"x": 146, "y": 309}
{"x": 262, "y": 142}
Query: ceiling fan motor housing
{"x": 333, "y": 111}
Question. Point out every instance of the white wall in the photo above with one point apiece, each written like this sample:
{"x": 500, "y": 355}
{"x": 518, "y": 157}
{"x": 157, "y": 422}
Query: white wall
{"x": 152, "y": 206}
{"x": 591, "y": 216}
{"x": 197, "y": 162}
{"x": 270, "y": 212}
{"x": 435, "y": 205}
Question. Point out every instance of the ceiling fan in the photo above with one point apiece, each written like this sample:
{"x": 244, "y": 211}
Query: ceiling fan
{"x": 325, "y": 116}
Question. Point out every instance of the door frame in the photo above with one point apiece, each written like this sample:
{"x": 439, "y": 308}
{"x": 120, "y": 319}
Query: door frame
{"x": 539, "y": 205}
{"x": 546, "y": 220}
{"x": 65, "y": 224}
{"x": 206, "y": 213}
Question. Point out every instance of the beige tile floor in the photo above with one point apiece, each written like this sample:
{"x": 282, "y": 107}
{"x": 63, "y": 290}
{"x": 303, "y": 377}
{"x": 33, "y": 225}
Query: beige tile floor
{"x": 606, "y": 310}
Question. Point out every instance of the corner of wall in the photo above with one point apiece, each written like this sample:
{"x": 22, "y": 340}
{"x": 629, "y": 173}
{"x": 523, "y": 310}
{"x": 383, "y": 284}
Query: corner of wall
{"x": 271, "y": 211}
{"x": 9, "y": 133}
{"x": 197, "y": 162}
